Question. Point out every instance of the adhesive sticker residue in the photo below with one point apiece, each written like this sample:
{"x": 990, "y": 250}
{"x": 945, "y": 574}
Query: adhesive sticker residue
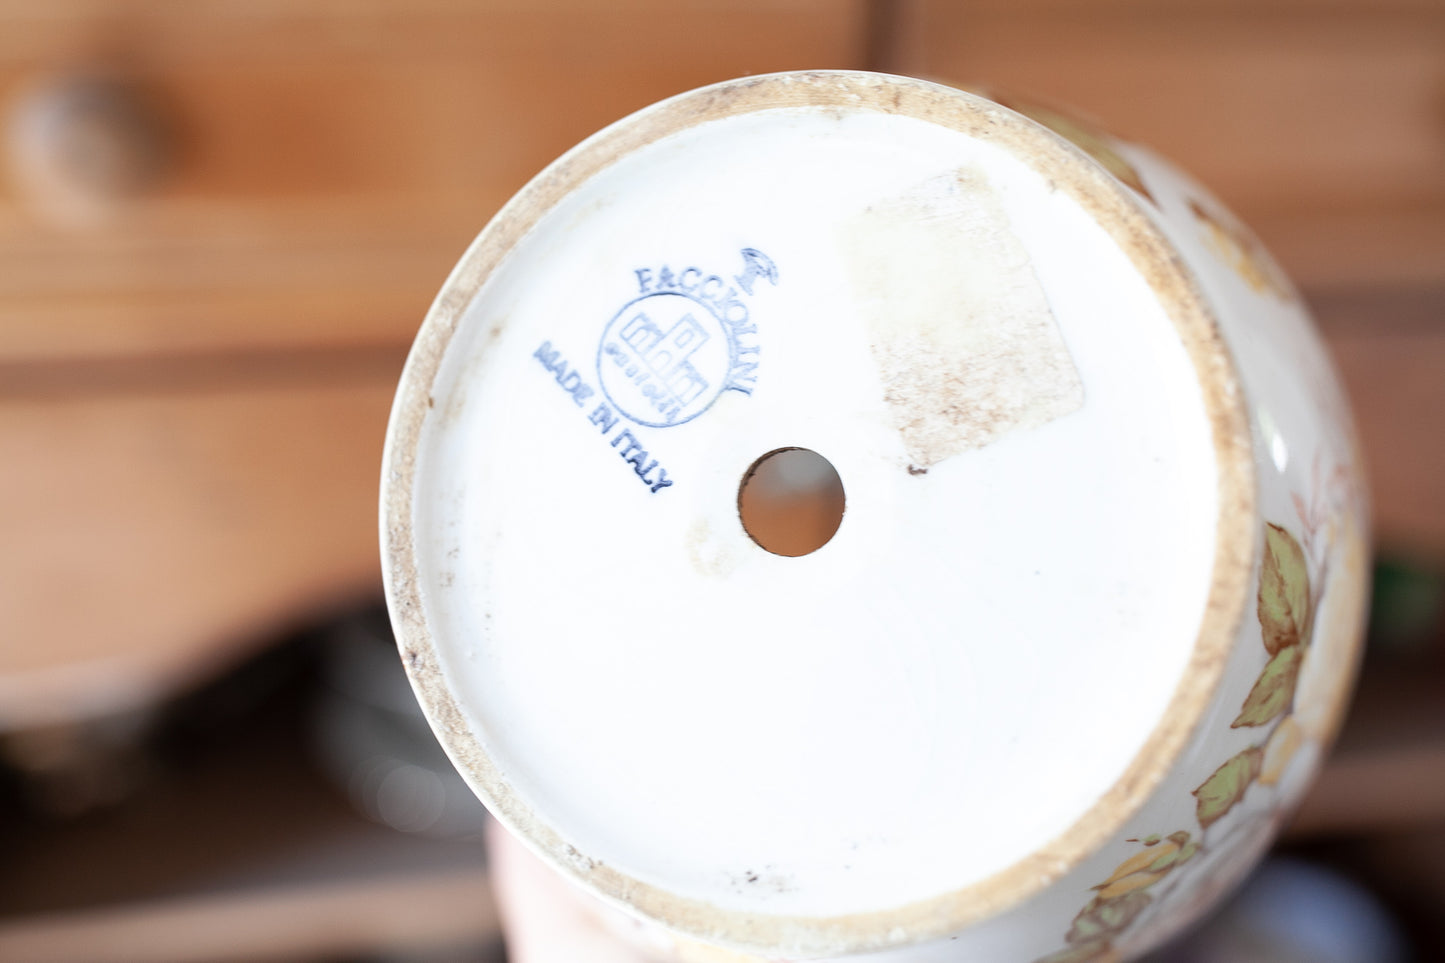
{"x": 966, "y": 346}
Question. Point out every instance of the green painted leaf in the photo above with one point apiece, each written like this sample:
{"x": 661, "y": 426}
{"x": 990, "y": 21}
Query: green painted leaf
{"x": 1273, "y": 694}
{"x": 1284, "y": 591}
{"x": 1227, "y": 786}
{"x": 1103, "y": 918}
{"x": 1092, "y": 952}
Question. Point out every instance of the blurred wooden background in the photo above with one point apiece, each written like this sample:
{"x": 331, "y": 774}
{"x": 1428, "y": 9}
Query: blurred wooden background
{"x": 195, "y": 370}
{"x": 221, "y": 223}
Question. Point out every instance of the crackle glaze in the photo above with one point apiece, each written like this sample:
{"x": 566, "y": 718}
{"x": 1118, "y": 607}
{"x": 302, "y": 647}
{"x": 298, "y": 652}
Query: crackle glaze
{"x": 1091, "y": 616}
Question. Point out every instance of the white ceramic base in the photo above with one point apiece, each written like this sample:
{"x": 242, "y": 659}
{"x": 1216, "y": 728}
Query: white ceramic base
{"x": 955, "y": 681}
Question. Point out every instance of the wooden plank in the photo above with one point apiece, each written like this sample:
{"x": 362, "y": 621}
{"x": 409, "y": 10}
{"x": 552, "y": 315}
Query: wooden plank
{"x": 65, "y": 29}
{"x": 209, "y": 294}
{"x": 1287, "y": 112}
{"x": 1176, "y": 8}
{"x": 331, "y": 161}
{"x": 1393, "y": 378}
{"x": 150, "y": 538}
{"x": 1329, "y": 248}
{"x": 318, "y": 920}
{"x": 1389, "y": 347}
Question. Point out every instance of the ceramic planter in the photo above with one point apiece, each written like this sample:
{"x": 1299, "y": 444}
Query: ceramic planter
{"x": 1091, "y": 615}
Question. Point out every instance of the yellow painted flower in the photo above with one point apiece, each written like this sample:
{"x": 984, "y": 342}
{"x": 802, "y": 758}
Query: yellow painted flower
{"x": 1237, "y": 247}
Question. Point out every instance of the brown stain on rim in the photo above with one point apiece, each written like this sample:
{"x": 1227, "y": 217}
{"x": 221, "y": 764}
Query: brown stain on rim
{"x": 1124, "y": 218}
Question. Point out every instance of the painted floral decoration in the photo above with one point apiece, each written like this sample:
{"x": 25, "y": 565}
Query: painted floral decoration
{"x": 1292, "y": 578}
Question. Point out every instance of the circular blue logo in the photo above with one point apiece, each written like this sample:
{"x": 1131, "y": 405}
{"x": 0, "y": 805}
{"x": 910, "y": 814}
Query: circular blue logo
{"x": 664, "y": 359}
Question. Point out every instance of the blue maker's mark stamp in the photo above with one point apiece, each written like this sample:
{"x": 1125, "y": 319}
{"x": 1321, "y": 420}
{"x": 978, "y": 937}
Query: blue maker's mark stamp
{"x": 668, "y": 355}
{"x": 630, "y": 447}
{"x": 665, "y": 359}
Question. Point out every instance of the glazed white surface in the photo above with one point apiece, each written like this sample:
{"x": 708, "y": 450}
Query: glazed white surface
{"x": 939, "y": 691}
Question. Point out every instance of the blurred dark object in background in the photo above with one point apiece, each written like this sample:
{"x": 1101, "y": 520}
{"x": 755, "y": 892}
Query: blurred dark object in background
{"x": 1291, "y": 911}
{"x": 374, "y": 741}
{"x": 1407, "y": 618}
{"x": 86, "y": 143}
{"x": 232, "y": 837}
